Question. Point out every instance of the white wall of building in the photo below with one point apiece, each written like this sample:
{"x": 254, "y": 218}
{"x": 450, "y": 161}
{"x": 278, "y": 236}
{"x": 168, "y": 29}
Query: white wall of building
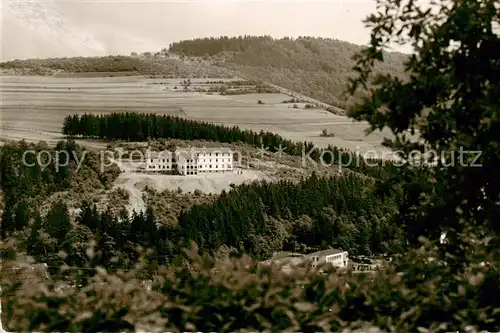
{"x": 191, "y": 161}
{"x": 159, "y": 161}
{"x": 215, "y": 161}
{"x": 186, "y": 163}
{"x": 340, "y": 259}
{"x": 200, "y": 160}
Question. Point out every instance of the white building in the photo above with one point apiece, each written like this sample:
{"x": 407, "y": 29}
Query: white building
{"x": 159, "y": 161}
{"x": 337, "y": 258}
{"x": 186, "y": 162}
{"x": 191, "y": 161}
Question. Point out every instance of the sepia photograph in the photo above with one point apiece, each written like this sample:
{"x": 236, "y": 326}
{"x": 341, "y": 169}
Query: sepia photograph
{"x": 250, "y": 166}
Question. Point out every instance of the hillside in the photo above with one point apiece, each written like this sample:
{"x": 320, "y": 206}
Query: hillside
{"x": 149, "y": 66}
{"x": 315, "y": 67}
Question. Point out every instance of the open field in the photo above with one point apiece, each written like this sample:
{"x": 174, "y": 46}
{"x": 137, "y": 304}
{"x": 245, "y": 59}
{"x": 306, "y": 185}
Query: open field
{"x": 33, "y": 108}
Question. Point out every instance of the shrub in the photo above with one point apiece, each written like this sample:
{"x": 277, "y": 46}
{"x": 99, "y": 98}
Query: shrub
{"x": 414, "y": 293}
{"x": 324, "y": 133}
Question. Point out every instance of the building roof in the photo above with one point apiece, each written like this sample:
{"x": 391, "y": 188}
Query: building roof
{"x": 286, "y": 254}
{"x": 157, "y": 154}
{"x": 285, "y": 260}
{"x": 195, "y": 150}
{"x": 184, "y": 155}
{"x": 325, "y": 253}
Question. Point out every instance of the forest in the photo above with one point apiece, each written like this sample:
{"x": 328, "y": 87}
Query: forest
{"x": 141, "y": 127}
{"x": 320, "y": 68}
{"x": 306, "y": 216}
{"x": 310, "y": 215}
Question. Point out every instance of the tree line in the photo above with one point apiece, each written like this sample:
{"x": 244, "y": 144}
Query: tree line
{"x": 199, "y": 47}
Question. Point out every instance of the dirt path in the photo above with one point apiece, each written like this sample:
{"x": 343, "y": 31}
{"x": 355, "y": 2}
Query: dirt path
{"x": 136, "y": 203}
{"x": 135, "y": 183}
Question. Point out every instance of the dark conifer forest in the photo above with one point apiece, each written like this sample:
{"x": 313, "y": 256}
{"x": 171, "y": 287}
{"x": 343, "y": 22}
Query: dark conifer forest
{"x": 256, "y": 219}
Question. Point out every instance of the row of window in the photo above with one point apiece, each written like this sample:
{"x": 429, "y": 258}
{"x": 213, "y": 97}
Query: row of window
{"x": 209, "y": 160}
{"x": 159, "y": 167}
{"x": 334, "y": 257}
{"x": 216, "y": 154}
{"x": 329, "y": 258}
{"x": 216, "y": 160}
{"x": 216, "y": 166}
{"x": 190, "y": 161}
{"x": 164, "y": 160}
{"x": 207, "y": 167}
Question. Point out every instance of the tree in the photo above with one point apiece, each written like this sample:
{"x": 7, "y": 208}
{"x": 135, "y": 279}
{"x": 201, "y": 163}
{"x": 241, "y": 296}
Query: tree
{"x": 452, "y": 97}
{"x": 186, "y": 84}
{"x": 7, "y": 224}
{"x": 22, "y": 215}
{"x": 57, "y": 221}
{"x": 33, "y": 239}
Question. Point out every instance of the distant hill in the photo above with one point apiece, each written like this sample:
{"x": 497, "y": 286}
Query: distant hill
{"x": 149, "y": 66}
{"x": 316, "y": 67}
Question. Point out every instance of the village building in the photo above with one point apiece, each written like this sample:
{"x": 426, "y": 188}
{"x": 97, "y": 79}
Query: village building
{"x": 159, "y": 161}
{"x": 337, "y": 258}
{"x": 186, "y": 162}
{"x": 289, "y": 261}
{"x": 286, "y": 261}
{"x": 192, "y": 161}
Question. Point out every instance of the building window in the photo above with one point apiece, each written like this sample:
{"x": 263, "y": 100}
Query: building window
{"x": 216, "y": 154}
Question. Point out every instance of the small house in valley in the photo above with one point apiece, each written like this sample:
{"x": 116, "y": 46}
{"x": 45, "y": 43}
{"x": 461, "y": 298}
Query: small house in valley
{"x": 337, "y": 258}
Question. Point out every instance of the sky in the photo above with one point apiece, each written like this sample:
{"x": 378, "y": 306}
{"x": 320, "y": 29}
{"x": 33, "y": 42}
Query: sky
{"x": 42, "y": 28}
